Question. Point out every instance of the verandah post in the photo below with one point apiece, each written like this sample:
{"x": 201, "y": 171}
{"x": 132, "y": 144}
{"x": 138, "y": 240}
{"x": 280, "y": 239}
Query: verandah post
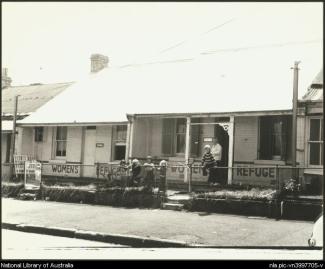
{"x": 187, "y": 152}
{"x": 231, "y": 149}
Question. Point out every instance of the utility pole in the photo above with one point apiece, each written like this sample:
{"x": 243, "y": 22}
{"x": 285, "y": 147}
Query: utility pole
{"x": 13, "y": 138}
{"x": 294, "y": 118}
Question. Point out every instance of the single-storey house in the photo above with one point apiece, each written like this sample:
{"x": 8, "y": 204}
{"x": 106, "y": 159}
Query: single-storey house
{"x": 170, "y": 109}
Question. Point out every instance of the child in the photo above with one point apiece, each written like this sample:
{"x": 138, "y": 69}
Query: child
{"x": 208, "y": 162}
{"x": 149, "y": 172}
{"x": 162, "y": 176}
{"x": 136, "y": 172}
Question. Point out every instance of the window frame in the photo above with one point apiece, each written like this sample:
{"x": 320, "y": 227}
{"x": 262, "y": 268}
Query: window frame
{"x": 309, "y": 142}
{"x": 36, "y": 134}
{"x": 118, "y": 140}
{"x": 177, "y": 133}
{"x": 60, "y": 140}
{"x": 284, "y": 137}
{"x": 121, "y": 133}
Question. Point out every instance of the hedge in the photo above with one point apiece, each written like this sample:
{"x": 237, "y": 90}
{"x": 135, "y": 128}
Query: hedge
{"x": 114, "y": 196}
{"x": 127, "y": 197}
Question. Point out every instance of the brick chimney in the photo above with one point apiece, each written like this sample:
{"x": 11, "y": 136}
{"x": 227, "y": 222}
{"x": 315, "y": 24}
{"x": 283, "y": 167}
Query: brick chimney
{"x": 98, "y": 62}
{"x": 5, "y": 80}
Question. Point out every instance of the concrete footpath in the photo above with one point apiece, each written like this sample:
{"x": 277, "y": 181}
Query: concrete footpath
{"x": 151, "y": 227}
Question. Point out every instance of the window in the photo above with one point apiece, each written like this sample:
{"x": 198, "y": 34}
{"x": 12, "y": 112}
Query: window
{"x": 273, "y": 138}
{"x": 61, "y": 141}
{"x": 174, "y": 137}
{"x": 195, "y": 138}
{"x": 121, "y": 132}
{"x": 119, "y": 142}
{"x": 180, "y": 135}
{"x": 39, "y": 134}
{"x": 315, "y": 142}
{"x": 168, "y": 137}
{"x": 91, "y": 128}
{"x": 8, "y": 147}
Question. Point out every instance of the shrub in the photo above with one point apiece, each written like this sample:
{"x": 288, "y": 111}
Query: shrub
{"x": 72, "y": 194}
{"x": 9, "y": 189}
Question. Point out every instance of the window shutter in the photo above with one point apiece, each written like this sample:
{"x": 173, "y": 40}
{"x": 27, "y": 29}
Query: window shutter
{"x": 195, "y": 138}
{"x": 168, "y": 136}
{"x": 265, "y": 138}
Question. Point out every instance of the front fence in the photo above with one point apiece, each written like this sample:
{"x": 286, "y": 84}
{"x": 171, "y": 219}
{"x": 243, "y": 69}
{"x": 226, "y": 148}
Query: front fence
{"x": 190, "y": 178}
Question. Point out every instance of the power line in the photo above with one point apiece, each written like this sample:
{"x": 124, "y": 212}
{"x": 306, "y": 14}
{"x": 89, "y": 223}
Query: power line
{"x": 274, "y": 45}
{"x": 218, "y": 26}
{"x": 204, "y": 33}
{"x": 172, "y": 47}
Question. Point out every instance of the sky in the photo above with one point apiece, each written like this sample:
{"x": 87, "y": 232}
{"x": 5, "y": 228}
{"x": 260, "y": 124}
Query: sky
{"x": 52, "y": 42}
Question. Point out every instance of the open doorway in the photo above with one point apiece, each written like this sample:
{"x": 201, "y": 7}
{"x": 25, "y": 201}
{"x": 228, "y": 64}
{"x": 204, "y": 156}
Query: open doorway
{"x": 223, "y": 138}
{"x": 119, "y": 152}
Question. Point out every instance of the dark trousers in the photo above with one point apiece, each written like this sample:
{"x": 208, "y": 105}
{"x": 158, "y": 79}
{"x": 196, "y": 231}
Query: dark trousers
{"x": 215, "y": 174}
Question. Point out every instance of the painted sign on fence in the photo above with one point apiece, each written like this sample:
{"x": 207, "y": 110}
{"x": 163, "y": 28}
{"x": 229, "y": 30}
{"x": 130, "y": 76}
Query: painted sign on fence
{"x": 33, "y": 173}
{"x": 111, "y": 171}
{"x": 59, "y": 169}
{"x": 254, "y": 174}
{"x": 177, "y": 172}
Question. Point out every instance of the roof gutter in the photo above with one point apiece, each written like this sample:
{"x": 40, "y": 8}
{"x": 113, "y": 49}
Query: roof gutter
{"x": 72, "y": 124}
{"x": 217, "y": 114}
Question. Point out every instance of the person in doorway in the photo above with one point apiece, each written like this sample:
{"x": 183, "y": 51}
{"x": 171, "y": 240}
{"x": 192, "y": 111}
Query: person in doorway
{"x": 208, "y": 162}
{"x": 149, "y": 168}
{"x": 216, "y": 152}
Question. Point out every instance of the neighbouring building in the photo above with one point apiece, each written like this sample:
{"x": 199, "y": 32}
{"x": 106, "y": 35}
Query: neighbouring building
{"x": 31, "y": 97}
{"x": 75, "y": 131}
{"x": 311, "y": 134}
{"x": 5, "y": 79}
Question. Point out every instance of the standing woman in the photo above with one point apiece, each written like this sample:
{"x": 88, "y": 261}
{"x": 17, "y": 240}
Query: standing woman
{"x": 216, "y": 152}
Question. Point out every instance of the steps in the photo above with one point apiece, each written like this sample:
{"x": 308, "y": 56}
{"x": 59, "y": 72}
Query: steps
{"x": 30, "y": 192}
{"x": 176, "y": 202}
{"x": 173, "y": 206}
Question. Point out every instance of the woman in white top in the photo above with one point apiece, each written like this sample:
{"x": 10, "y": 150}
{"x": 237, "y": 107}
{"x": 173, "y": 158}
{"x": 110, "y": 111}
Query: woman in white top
{"x": 216, "y": 151}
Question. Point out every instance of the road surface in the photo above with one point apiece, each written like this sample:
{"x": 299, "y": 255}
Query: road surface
{"x": 20, "y": 245}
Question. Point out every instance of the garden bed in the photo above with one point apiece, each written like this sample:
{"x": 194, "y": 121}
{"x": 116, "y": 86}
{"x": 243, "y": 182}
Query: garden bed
{"x": 252, "y": 194}
{"x": 254, "y": 202}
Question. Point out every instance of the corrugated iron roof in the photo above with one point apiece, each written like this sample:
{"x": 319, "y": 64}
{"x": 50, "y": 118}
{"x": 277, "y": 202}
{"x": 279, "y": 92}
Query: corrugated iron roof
{"x": 201, "y": 85}
{"x": 318, "y": 80}
{"x": 186, "y": 81}
{"x": 313, "y": 95}
{"x": 315, "y": 90}
{"x": 31, "y": 97}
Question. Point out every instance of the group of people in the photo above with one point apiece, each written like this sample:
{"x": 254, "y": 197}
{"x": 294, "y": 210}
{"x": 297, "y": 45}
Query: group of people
{"x": 146, "y": 177}
{"x": 211, "y": 160}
